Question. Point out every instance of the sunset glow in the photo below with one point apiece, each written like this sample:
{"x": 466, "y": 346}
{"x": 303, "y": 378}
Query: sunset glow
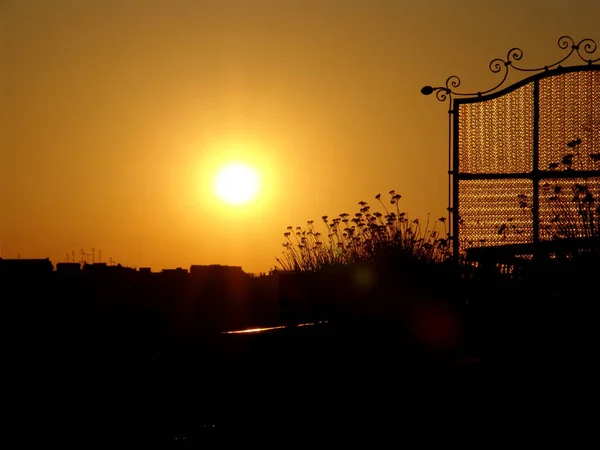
{"x": 117, "y": 121}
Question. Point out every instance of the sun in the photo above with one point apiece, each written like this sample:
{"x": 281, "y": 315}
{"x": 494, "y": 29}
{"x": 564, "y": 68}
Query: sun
{"x": 237, "y": 183}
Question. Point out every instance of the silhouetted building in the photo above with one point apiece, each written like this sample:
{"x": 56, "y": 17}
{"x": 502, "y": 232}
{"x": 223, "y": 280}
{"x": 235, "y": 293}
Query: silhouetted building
{"x": 118, "y": 269}
{"x": 145, "y": 270}
{"x": 95, "y": 267}
{"x": 217, "y": 272}
{"x": 68, "y": 268}
{"x": 178, "y": 272}
{"x": 25, "y": 267}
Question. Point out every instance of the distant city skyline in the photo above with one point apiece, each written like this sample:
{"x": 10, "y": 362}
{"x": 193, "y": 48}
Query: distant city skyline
{"x": 112, "y": 263}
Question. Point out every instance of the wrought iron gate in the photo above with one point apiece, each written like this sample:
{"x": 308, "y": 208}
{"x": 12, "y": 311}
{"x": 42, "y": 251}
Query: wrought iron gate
{"x": 524, "y": 160}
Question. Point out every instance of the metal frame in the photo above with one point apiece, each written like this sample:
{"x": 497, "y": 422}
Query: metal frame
{"x": 584, "y": 49}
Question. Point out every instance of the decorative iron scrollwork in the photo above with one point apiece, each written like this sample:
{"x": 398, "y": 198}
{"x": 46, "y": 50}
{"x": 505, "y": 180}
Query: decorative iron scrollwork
{"x": 584, "y": 49}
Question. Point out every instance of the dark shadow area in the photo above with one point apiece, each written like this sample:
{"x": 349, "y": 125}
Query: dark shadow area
{"x": 107, "y": 352}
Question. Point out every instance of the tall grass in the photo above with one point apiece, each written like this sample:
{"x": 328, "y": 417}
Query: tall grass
{"x": 569, "y": 207}
{"x": 364, "y": 236}
{"x": 574, "y": 207}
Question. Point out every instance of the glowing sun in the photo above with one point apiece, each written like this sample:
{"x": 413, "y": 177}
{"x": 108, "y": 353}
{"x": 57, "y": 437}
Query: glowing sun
{"x": 237, "y": 183}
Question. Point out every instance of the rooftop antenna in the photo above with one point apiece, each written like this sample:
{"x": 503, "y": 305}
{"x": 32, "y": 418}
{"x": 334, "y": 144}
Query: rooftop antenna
{"x": 82, "y": 258}
{"x": 67, "y": 257}
{"x": 93, "y": 255}
{"x": 72, "y": 255}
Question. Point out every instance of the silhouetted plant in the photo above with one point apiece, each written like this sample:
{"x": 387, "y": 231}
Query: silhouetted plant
{"x": 573, "y": 208}
{"x": 363, "y": 237}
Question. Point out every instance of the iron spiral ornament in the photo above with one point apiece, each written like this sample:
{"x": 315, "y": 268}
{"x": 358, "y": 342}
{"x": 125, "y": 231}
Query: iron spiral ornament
{"x": 584, "y": 50}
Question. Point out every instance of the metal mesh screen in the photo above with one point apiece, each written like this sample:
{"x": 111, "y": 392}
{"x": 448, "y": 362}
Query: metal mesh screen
{"x": 494, "y": 212}
{"x": 495, "y": 169}
{"x": 569, "y": 110}
{"x": 566, "y": 209}
{"x": 496, "y": 136}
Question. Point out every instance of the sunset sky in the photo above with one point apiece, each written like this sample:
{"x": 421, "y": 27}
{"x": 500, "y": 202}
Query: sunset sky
{"x": 115, "y": 115}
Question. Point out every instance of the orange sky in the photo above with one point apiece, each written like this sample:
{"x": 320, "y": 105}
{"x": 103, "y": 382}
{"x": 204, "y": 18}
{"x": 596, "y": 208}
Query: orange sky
{"x": 114, "y": 115}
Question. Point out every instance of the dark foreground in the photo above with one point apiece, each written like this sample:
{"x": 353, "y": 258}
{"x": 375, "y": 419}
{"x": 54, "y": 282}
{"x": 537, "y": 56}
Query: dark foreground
{"x": 289, "y": 383}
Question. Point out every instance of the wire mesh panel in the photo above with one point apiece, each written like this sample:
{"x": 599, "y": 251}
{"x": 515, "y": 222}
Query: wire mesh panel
{"x": 569, "y": 142}
{"x": 527, "y": 162}
{"x": 569, "y": 208}
{"x": 569, "y": 118}
{"x": 524, "y": 160}
{"x": 495, "y": 212}
{"x": 496, "y": 136}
